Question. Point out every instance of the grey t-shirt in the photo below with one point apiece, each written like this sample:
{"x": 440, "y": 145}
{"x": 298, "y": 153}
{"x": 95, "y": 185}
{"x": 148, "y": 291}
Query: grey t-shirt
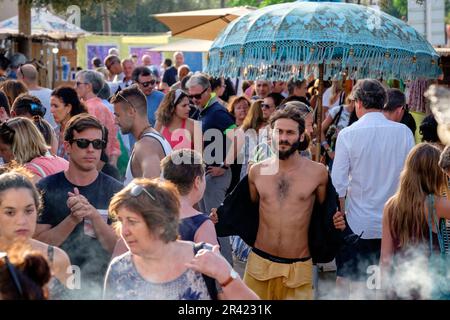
{"x": 123, "y": 282}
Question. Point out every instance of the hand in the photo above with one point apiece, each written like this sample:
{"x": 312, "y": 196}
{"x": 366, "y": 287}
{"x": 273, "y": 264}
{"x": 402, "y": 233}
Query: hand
{"x": 339, "y": 221}
{"x": 215, "y": 171}
{"x": 79, "y": 206}
{"x": 211, "y": 263}
{"x": 213, "y": 216}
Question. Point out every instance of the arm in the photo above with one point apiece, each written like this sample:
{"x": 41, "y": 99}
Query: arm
{"x": 206, "y": 233}
{"x": 57, "y": 235}
{"x": 251, "y": 183}
{"x": 61, "y": 266}
{"x": 341, "y": 170}
{"x": 325, "y": 125}
{"x": 214, "y": 265}
{"x": 147, "y": 154}
{"x": 387, "y": 248}
{"x": 81, "y": 208}
{"x": 442, "y": 207}
{"x": 321, "y": 191}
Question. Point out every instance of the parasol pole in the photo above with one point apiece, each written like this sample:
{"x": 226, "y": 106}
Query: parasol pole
{"x": 319, "y": 113}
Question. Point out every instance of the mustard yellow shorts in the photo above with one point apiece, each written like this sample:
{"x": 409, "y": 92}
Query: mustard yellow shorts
{"x": 279, "y": 281}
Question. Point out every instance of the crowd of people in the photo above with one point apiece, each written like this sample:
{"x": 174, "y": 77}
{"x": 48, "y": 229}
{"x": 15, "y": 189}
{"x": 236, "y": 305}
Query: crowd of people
{"x": 121, "y": 187}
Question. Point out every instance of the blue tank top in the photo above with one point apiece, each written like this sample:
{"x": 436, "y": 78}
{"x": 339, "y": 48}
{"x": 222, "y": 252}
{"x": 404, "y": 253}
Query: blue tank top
{"x": 189, "y": 226}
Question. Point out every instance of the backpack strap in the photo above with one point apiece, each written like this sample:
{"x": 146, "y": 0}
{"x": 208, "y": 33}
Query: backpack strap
{"x": 39, "y": 169}
{"x": 210, "y": 282}
{"x": 338, "y": 116}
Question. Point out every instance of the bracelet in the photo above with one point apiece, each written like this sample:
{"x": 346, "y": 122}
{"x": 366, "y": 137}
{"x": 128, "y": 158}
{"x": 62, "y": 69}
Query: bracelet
{"x": 324, "y": 143}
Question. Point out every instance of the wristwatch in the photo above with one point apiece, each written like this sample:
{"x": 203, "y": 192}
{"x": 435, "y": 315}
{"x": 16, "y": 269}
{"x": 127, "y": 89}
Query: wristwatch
{"x": 224, "y": 166}
{"x": 233, "y": 276}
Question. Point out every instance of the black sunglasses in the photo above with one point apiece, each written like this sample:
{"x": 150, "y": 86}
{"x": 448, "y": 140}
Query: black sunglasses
{"x": 137, "y": 189}
{"x": 98, "y": 144}
{"x": 265, "y": 106}
{"x": 197, "y": 96}
{"x": 147, "y": 83}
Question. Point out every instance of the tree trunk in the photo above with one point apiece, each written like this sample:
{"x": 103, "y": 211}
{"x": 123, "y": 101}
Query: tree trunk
{"x": 24, "y": 43}
{"x": 106, "y": 19}
{"x": 222, "y": 3}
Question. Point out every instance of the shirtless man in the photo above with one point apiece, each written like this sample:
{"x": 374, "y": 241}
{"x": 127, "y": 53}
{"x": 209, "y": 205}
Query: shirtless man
{"x": 130, "y": 110}
{"x": 280, "y": 266}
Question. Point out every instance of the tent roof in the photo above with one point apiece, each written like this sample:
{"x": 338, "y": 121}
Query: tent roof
{"x": 44, "y": 23}
{"x": 189, "y": 45}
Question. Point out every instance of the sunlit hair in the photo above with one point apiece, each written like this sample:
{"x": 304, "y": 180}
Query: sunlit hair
{"x": 336, "y": 89}
{"x": 24, "y": 270}
{"x": 12, "y": 89}
{"x": 26, "y": 141}
{"x": 166, "y": 109}
{"x": 254, "y": 118}
{"x": 235, "y": 100}
{"x": 160, "y": 214}
{"x": 421, "y": 176}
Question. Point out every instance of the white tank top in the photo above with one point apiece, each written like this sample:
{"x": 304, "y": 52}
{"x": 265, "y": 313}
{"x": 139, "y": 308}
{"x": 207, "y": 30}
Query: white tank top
{"x": 167, "y": 149}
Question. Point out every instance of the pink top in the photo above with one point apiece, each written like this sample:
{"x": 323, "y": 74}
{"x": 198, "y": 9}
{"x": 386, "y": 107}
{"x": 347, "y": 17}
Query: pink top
{"x": 180, "y": 138}
{"x": 96, "y": 108}
{"x": 47, "y": 165}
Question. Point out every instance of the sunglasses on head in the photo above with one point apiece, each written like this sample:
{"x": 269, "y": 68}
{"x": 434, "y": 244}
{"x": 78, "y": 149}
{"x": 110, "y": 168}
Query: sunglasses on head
{"x": 197, "y": 96}
{"x": 136, "y": 190}
{"x": 124, "y": 99}
{"x": 97, "y": 144}
{"x": 147, "y": 83}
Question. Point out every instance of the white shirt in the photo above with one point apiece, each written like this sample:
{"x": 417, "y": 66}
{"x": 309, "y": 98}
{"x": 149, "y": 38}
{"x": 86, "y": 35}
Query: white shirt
{"x": 369, "y": 157}
{"x": 44, "y": 95}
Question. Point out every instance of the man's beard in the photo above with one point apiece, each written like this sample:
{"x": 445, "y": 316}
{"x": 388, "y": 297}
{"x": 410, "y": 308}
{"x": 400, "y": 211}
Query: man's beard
{"x": 283, "y": 155}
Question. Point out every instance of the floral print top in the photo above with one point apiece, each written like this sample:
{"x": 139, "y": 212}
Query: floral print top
{"x": 123, "y": 282}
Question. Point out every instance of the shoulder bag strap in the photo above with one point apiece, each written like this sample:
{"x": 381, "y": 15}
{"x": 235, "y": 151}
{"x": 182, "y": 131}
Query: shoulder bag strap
{"x": 210, "y": 282}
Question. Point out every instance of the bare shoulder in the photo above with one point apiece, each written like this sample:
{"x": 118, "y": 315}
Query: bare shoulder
{"x": 317, "y": 169}
{"x": 61, "y": 257}
{"x": 148, "y": 145}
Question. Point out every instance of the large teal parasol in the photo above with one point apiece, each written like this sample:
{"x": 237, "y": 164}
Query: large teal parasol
{"x": 278, "y": 41}
{"x": 293, "y": 39}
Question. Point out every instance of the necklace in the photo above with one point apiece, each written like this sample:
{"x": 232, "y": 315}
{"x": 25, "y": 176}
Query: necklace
{"x": 143, "y": 131}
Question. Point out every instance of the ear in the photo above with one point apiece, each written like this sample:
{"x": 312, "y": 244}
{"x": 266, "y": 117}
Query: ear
{"x": 302, "y": 137}
{"x": 67, "y": 147}
{"x": 13, "y": 114}
{"x": 197, "y": 182}
{"x": 3, "y": 114}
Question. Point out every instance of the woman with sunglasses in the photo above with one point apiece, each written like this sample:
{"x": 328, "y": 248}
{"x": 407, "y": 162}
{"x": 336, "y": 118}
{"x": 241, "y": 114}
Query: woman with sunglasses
{"x": 19, "y": 206}
{"x": 20, "y": 140}
{"x": 158, "y": 266}
{"x": 173, "y": 122}
{"x": 64, "y": 104}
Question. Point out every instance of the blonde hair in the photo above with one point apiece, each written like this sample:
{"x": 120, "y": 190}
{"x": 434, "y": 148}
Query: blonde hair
{"x": 336, "y": 89}
{"x": 28, "y": 142}
{"x": 420, "y": 177}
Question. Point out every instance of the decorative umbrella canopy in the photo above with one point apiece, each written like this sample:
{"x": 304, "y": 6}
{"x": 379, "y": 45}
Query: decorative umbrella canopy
{"x": 201, "y": 24}
{"x": 282, "y": 40}
{"x": 44, "y": 23}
